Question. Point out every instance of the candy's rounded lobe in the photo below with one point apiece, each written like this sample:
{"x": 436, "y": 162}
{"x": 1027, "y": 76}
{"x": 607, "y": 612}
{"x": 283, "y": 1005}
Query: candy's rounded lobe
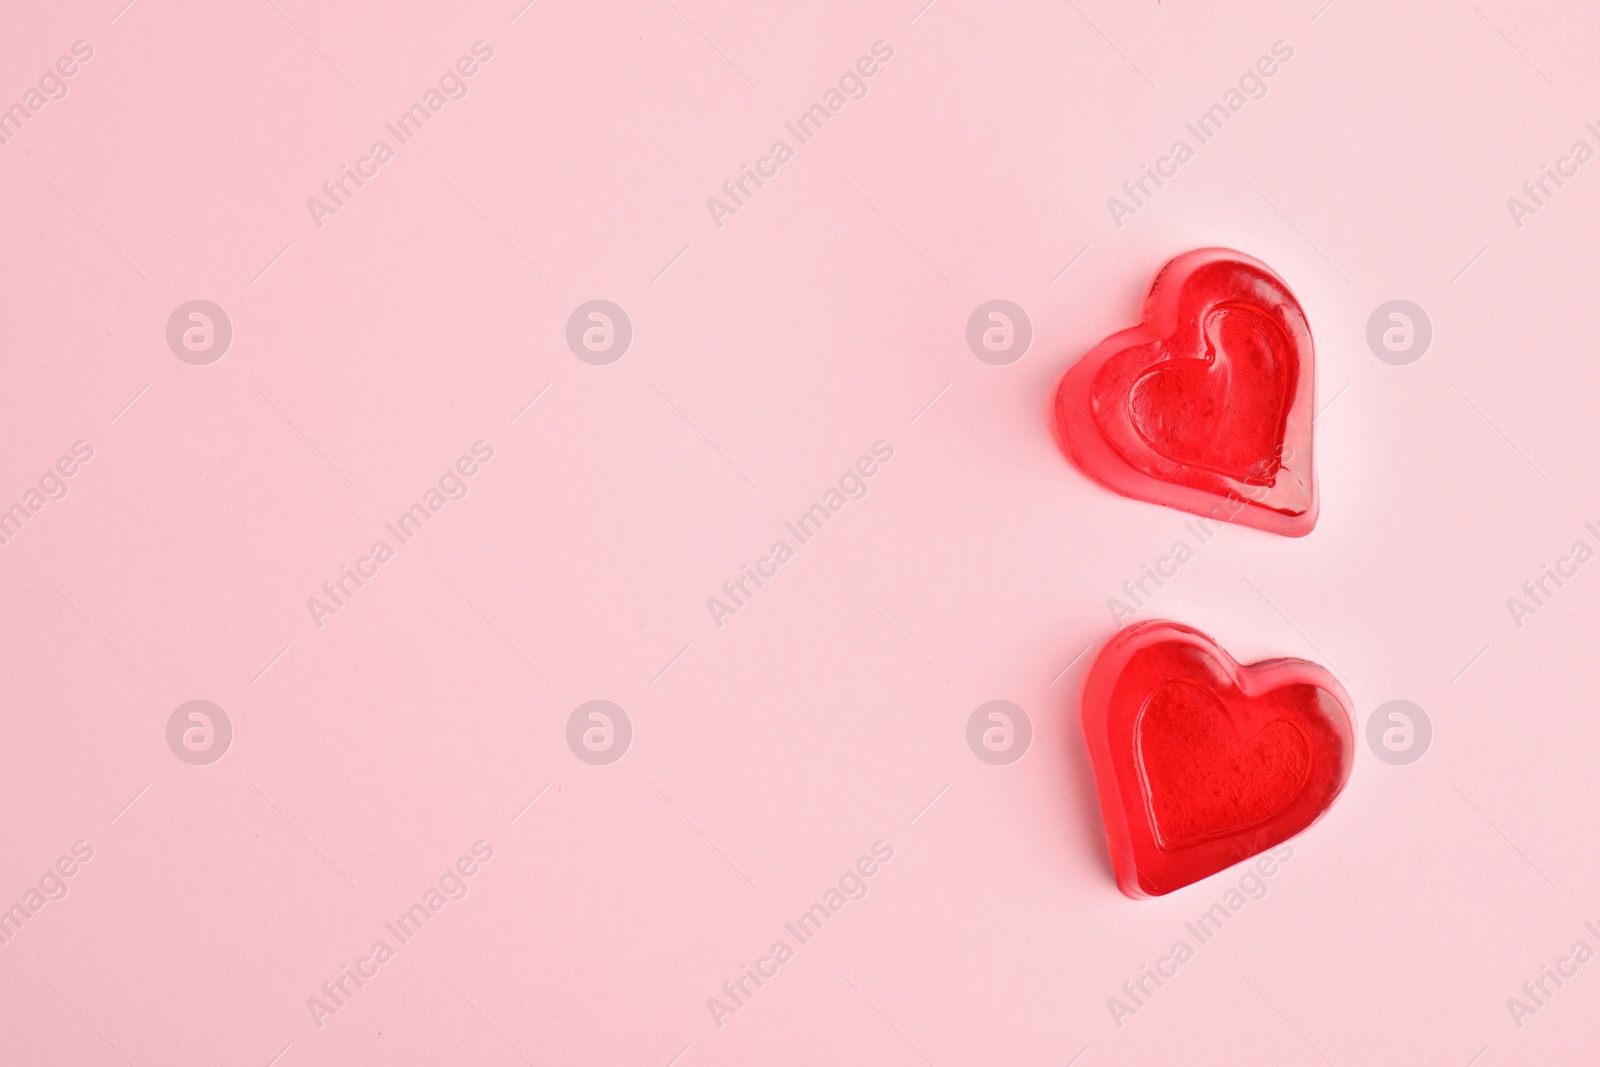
{"x": 1200, "y": 762}
{"x": 1207, "y": 404}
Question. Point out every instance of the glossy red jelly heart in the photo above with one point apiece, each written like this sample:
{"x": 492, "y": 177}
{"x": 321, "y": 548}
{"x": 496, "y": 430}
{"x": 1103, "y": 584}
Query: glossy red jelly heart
{"x": 1207, "y": 404}
{"x": 1200, "y": 762}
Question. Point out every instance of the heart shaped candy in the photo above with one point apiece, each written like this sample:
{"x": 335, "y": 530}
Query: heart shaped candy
{"x": 1207, "y": 404}
{"x": 1201, "y": 763}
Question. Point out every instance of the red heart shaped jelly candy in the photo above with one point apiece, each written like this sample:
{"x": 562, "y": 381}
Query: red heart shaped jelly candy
{"x": 1201, "y": 763}
{"x": 1207, "y": 404}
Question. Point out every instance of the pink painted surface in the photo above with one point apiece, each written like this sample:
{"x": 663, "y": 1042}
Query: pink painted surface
{"x": 775, "y": 340}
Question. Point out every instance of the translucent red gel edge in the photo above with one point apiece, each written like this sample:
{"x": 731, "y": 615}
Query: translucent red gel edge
{"x": 1084, "y": 440}
{"x": 1111, "y": 703}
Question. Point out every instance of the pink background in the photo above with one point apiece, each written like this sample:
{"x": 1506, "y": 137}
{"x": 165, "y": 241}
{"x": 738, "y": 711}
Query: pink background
{"x": 768, "y": 354}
